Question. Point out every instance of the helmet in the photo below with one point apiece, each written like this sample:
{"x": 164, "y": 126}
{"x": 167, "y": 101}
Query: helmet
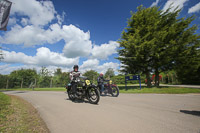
{"x": 101, "y": 74}
{"x": 75, "y": 66}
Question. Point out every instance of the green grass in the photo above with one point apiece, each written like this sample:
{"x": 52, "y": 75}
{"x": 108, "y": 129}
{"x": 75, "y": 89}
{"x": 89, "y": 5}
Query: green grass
{"x": 5, "y": 101}
{"x": 17, "y": 115}
{"x": 131, "y": 89}
{"x": 161, "y": 90}
{"x": 36, "y": 89}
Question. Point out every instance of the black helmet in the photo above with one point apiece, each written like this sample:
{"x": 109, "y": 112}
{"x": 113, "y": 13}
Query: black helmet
{"x": 75, "y": 66}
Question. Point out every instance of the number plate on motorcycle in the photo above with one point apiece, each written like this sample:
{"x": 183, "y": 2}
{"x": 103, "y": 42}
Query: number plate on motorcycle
{"x": 87, "y": 82}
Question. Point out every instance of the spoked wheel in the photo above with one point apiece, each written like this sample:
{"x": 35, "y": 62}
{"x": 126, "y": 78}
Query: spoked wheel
{"x": 93, "y": 95}
{"x": 115, "y": 91}
{"x": 71, "y": 95}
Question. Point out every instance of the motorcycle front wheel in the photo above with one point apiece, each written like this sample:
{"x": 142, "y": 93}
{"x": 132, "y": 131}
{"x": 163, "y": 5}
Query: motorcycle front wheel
{"x": 93, "y": 95}
{"x": 71, "y": 95}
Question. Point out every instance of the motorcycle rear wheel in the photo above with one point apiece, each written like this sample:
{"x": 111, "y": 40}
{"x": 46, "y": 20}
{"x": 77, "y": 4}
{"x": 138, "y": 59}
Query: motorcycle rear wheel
{"x": 115, "y": 91}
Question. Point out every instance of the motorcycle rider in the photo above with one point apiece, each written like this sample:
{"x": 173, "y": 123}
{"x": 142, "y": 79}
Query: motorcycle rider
{"x": 75, "y": 78}
{"x": 100, "y": 81}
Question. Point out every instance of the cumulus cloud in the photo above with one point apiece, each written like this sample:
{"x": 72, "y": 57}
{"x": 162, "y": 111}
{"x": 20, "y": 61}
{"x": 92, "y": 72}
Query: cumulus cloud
{"x": 155, "y": 3}
{"x": 8, "y": 68}
{"x": 93, "y": 64}
{"x": 43, "y": 57}
{"x": 174, "y": 4}
{"x": 105, "y": 50}
{"x": 33, "y": 24}
{"x": 77, "y": 41}
{"x": 195, "y": 8}
{"x": 39, "y": 13}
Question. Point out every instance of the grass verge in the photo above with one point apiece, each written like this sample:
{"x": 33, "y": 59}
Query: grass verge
{"x": 161, "y": 90}
{"x": 131, "y": 89}
{"x": 20, "y": 116}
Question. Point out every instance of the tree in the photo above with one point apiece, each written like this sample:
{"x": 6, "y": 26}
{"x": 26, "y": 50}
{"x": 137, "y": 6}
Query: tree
{"x": 109, "y": 73}
{"x": 91, "y": 75}
{"x": 3, "y": 81}
{"x": 152, "y": 41}
{"x": 45, "y": 78}
{"x": 22, "y": 78}
{"x": 58, "y": 72}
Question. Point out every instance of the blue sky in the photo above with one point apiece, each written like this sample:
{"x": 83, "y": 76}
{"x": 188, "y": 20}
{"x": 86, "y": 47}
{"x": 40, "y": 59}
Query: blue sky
{"x": 61, "y": 33}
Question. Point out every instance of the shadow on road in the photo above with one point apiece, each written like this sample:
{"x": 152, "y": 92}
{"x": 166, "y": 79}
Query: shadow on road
{"x": 80, "y": 101}
{"x": 197, "y": 113}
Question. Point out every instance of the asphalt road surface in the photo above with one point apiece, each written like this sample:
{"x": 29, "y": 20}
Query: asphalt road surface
{"x": 128, "y": 113}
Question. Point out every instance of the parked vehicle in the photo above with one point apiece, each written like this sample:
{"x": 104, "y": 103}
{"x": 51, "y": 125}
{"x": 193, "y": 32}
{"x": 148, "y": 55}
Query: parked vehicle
{"x": 85, "y": 90}
{"x": 110, "y": 88}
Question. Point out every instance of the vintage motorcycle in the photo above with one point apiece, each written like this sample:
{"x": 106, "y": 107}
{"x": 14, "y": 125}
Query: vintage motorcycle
{"x": 110, "y": 88}
{"x": 85, "y": 90}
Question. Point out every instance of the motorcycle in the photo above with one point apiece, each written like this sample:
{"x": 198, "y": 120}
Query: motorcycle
{"x": 110, "y": 88}
{"x": 85, "y": 90}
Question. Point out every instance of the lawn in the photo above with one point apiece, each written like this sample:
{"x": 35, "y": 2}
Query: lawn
{"x": 161, "y": 90}
{"x": 17, "y": 115}
{"x": 130, "y": 89}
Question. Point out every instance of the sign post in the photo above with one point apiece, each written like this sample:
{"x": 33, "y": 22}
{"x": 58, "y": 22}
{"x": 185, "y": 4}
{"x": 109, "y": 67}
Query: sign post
{"x": 135, "y": 77}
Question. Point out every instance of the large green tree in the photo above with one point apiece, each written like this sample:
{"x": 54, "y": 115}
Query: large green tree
{"x": 153, "y": 40}
{"x": 109, "y": 73}
{"x": 22, "y": 78}
{"x": 91, "y": 75}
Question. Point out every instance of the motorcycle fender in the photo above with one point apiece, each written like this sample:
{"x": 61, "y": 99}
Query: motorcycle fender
{"x": 114, "y": 85}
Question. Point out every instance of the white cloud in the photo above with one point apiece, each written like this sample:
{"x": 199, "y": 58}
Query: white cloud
{"x": 174, "y": 4}
{"x": 8, "y": 68}
{"x": 105, "y": 50}
{"x": 89, "y": 64}
{"x": 155, "y": 3}
{"x": 39, "y": 13}
{"x": 93, "y": 64}
{"x": 31, "y": 24}
{"x": 43, "y": 57}
{"x": 77, "y": 41}
{"x": 195, "y": 8}
{"x": 103, "y": 68}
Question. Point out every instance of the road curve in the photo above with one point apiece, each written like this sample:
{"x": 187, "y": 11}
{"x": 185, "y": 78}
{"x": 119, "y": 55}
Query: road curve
{"x": 128, "y": 113}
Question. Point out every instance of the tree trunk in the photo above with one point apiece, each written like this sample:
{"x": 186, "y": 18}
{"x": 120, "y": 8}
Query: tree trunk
{"x": 7, "y": 84}
{"x": 51, "y": 83}
{"x": 157, "y": 82}
{"x": 22, "y": 83}
{"x": 172, "y": 78}
{"x": 35, "y": 82}
{"x": 148, "y": 79}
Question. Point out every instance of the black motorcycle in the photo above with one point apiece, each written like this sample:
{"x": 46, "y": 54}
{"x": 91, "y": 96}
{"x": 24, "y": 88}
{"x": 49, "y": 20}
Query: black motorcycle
{"x": 85, "y": 90}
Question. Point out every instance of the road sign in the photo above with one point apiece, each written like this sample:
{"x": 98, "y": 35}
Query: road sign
{"x": 135, "y": 77}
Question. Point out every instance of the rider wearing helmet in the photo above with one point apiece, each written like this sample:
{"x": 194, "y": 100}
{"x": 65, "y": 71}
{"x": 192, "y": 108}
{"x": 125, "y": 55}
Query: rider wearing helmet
{"x": 100, "y": 81}
{"x": 75, "y": 78}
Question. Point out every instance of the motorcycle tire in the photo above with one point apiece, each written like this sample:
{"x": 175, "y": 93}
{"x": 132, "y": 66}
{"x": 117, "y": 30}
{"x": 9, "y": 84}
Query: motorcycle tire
{"x": 71, "y": 95}
{"x": 115, "y": 91}
{"x": 93, "y": 95}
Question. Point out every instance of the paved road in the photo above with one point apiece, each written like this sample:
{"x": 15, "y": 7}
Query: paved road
{"x": 128, "y": 113}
